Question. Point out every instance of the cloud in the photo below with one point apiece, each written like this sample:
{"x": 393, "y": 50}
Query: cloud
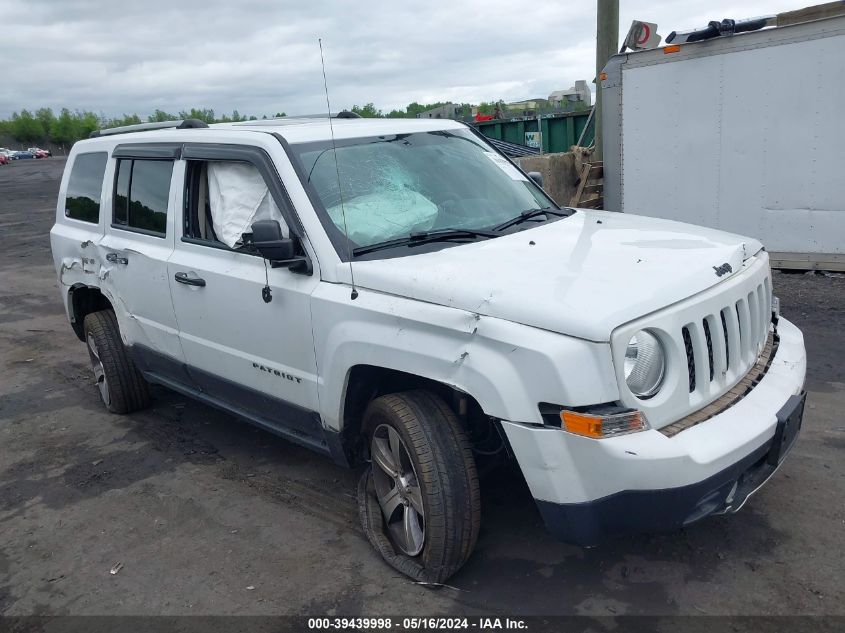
{"x": 261, "y": 57}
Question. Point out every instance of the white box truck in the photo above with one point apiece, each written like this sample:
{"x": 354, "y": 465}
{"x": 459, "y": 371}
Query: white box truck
{"x": 744, "y": 133}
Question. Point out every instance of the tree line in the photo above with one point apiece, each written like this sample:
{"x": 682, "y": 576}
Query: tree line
{"x": 70, "y": 126}
{"x": 67, "y": 127}
{"x": 463, "y": 110}
{"x": 467, "y": 110}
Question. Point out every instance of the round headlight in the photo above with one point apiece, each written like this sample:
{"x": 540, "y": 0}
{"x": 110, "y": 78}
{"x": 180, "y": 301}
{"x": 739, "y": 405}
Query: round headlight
{"x": 645, "y": 364}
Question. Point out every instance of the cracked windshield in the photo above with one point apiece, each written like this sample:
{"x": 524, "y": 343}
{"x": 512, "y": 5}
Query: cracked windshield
{"x": 396, "y": 185}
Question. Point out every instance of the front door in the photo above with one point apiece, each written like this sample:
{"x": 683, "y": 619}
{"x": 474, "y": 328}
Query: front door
{"x": 254, "y": 355}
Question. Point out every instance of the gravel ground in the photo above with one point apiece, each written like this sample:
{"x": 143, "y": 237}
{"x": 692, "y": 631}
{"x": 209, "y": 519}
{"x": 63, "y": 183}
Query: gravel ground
{"x": 210, "y": 516}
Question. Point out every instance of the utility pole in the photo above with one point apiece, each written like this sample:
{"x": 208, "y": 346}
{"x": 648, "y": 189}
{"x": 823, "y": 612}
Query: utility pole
{"x": 607, "y": 45}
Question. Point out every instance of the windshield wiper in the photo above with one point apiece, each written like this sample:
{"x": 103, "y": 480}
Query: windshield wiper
{"x": 426, "y": 237}
{"x": 531, "y": 213}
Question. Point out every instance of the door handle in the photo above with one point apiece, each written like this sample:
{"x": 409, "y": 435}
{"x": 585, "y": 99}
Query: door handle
{"x": 114, "y": 258}
{"x": 183, "y": 278}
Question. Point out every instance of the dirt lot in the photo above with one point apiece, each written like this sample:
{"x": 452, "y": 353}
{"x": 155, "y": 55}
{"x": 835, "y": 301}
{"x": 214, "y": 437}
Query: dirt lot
{"x": 208, "y": 515}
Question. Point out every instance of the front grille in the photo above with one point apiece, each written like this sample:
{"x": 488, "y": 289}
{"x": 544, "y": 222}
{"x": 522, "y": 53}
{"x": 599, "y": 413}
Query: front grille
{"x": 736, "y": 393}
{"x": 727, "y": 341}
{"x": 712, "y": 340}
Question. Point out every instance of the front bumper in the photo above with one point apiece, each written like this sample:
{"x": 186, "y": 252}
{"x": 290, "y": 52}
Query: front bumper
{"x": 645, "y": 482}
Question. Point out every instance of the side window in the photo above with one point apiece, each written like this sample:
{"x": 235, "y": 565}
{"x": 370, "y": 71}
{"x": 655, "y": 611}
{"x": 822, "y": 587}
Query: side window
{"x": 223, "y": 199}
{"x": 82, "y": 200}
{"x": 142, "y": 189}
{"x": 121, "y": 192}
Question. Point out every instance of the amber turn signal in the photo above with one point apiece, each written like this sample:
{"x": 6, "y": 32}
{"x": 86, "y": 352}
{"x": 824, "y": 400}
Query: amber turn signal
{"x": 601, "y": 426}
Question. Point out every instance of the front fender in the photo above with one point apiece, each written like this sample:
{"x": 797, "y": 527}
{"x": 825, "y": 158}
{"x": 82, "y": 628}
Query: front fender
{"x": 507, "y": 367}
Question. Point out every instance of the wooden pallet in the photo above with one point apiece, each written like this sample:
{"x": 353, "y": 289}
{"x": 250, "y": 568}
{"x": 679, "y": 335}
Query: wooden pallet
{"x": 589, "y": 194}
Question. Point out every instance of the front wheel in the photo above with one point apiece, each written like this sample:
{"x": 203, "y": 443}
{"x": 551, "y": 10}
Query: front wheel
{"x": 420, "y": 502}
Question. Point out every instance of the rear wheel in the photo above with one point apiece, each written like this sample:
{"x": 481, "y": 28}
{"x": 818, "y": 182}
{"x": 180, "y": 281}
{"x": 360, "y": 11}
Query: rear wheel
{"x": 424, "y": 483}
{"x": 122, "y": 387}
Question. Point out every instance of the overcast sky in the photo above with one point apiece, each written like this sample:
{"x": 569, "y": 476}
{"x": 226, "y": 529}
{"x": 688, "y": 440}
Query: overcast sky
{"x": 126, "y": 56}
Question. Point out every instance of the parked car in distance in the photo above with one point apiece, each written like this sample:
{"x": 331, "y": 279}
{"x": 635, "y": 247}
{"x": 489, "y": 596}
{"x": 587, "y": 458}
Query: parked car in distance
{"x": 40, "y": 153}
{"x": 17, "y": 154}
{"x": 4, "y": 160}
{"x": 399, "y": 296}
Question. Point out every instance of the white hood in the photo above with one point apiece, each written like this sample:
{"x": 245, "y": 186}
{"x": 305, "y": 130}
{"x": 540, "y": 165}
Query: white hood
{"x": 583, "y": 276}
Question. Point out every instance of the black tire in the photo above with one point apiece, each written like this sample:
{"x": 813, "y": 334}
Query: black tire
{"x": 125, "y": 388}
{"x": 444, "y": 466}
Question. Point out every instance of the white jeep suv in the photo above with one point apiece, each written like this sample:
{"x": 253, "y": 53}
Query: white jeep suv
{"x": 398, "y": 295}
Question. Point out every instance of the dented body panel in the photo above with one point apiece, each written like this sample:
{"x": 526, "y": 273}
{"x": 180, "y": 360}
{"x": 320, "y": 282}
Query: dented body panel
{"x": 507, "y": 367}
{"x": 73, "y": 246}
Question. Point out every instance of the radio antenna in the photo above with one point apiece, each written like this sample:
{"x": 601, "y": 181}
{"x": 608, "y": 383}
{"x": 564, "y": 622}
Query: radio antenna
{"x": 337, "y": 171}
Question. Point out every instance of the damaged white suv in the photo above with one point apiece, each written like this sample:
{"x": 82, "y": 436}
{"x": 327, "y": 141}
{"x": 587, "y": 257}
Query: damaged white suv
{"x": 396, "y": 294}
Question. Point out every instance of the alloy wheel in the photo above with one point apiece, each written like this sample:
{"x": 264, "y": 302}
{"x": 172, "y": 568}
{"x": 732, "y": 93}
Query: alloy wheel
{"x": 99, "y": 372}
{"x": 398, "y": 490}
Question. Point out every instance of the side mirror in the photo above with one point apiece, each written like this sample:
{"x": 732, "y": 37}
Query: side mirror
{"x": 280, "y": 251}
{"x": 268, "y": 241}
{"x": 537, "y": 177}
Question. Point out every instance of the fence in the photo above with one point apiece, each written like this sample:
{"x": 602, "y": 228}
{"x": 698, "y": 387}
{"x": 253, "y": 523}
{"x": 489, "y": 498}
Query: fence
{"x": 559, "y": 131}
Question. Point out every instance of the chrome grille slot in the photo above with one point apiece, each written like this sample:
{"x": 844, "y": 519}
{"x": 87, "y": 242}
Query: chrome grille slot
{"x": 719, "y": 346}
{"x": 744, "y": 316}
{"x": 765, "y": 316}
{"x": 729, "y": 317}
{"x": 709, "y": 341}
{"x": 767, "y": 291}
{"x": 754, "y": 321}
{"x": 724, "y": 323}
{"x": 690, "y": 358}
{"x": 698, "y": 363}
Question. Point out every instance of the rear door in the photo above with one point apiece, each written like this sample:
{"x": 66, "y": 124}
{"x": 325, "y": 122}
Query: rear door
{"x": 135, "y": 249}
{"x": 256, "y": 356}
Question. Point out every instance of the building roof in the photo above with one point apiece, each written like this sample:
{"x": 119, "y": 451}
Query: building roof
{"x": 512, "y": 149}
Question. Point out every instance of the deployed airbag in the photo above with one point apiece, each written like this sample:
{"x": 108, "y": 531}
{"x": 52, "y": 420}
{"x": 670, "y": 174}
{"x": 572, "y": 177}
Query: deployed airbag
{"x": 384, "y": 215}
{"x": 238, "y": 197}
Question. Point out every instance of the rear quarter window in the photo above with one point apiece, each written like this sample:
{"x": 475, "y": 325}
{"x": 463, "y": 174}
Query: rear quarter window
{"x": 82, "y": 199}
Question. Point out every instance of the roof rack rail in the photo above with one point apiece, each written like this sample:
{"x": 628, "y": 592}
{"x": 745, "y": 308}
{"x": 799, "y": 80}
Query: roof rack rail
{"x": 182, "y": 124}
{"x": 343, "y": 114}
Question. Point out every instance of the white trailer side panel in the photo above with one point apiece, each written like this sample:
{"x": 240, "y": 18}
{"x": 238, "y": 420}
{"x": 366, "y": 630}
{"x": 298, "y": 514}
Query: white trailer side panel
{"x": 744, "y": 134}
